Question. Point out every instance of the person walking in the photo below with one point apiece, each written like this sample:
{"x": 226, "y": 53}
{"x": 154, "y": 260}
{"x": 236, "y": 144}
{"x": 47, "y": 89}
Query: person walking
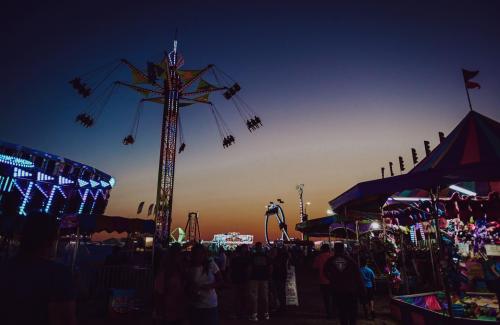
{"x": 369, "y": 281}
{"x": 204, "y": 278}
{"x": 280, "y": 266}
{"x": 240, "y": 274}
{"x": 324, "y": 282}
{"x": 169, "y": 289}
{"x": 221, "y": 260}
{"x": 346, "y": 284}
{"x": 260, "y": 273}
{"x": 35, "y": 289}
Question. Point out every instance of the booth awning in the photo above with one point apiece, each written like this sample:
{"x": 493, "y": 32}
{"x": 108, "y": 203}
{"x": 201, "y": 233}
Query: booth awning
{"x": 471, "y": 152}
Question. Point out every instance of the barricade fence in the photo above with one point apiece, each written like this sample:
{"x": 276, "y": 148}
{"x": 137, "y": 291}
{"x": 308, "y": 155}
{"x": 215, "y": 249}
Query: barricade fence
{"x": 95, "y": 287}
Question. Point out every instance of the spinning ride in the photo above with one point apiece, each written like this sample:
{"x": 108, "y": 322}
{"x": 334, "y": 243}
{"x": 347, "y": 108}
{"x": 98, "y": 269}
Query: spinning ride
{"x": 165, "y": 83}
{"x": 274, "y": 209}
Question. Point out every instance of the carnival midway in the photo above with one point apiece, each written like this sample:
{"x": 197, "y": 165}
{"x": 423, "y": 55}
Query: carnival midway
{"x": 418, "y": 245}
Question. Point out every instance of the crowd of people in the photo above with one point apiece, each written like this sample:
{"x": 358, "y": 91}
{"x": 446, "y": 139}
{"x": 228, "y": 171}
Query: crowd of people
{"x": 344, "y": 284}
{"x": 187, "y": 283}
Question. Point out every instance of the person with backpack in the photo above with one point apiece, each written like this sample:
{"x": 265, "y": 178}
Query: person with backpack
{"x": 346, "y": 284}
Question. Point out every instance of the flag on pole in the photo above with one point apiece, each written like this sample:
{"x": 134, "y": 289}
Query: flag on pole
{"x": 139, "y": 208}
{"x": 150, "y": 209}
{"x": 468, "y": 76}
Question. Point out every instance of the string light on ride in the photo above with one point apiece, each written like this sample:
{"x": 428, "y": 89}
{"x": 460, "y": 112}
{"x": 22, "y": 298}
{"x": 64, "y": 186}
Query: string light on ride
{"x": 18, "y": 172}
{"x": 82, "y": 183}
{"x": 63, "y": 180}
{"x": 462, "y": 190}
{"x": 84, "y": 200}
{"x": 375, "y": 225}
{"x": 41, "y": 190}
{"x": 6, "y": 183}
{"x": 43, "y": 177}
{"x": 51, "y": 198}
{"x": 26, "y": 199}
{"x": 14, "y": 161}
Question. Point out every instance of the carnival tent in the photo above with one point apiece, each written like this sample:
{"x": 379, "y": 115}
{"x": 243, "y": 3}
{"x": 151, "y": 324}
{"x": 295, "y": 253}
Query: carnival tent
{"x": 471, "y": 152}
{"x": 474, "y": 141}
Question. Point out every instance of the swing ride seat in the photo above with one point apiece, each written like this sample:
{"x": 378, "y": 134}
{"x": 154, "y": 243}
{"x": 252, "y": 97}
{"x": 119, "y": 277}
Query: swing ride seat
{"x": 129, "y": 139}
{"x": 182, "y": 147}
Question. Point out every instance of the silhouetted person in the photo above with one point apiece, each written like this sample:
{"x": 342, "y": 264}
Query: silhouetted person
{"x": 280, "y": 261}
{"x": 204, "y": 277}
{"x": 369, "y": 281}
{"x": 324, "y": 282}
{"x": 33, "y": 288}
{"x": 260, "y": 274}
{"x": 116, "y": 257}
{"x": 346, "y": 284}
{"x": 169, "y": 288}
{"x": 240, "y": 274}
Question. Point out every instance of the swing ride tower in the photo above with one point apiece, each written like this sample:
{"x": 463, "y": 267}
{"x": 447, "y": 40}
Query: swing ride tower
{"x": 168, "y": 145}
{"x": 165, "y": 83}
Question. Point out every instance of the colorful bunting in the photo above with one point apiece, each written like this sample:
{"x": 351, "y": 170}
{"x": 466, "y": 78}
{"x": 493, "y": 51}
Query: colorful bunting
{"x": 150, "y": 209}
{"x": 139, "y": 208}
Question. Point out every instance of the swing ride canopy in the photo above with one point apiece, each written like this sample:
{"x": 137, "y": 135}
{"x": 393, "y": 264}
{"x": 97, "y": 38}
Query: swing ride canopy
{"x": 471, "y": 152}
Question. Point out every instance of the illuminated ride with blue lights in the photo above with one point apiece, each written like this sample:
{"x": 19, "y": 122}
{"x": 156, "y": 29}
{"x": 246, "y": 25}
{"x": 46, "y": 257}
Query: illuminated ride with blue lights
{"x": 274, "y": 209}
{"x": 32, "y": 180}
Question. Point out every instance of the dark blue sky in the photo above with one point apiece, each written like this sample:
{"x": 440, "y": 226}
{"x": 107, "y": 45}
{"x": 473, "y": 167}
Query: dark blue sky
{"x": 342, "y": 89}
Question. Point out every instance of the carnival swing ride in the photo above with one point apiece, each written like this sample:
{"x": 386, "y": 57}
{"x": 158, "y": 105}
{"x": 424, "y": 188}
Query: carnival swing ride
{"x": 164, "y": 82}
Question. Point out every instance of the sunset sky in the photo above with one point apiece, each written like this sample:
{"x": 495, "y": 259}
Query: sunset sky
{"x": 342, "y": 89}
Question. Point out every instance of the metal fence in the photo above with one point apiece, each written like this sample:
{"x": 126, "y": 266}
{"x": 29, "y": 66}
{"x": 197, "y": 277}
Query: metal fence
{"x": 95, "y": 286}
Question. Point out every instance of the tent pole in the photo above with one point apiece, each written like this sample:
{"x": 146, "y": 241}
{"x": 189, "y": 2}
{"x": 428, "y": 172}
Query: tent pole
{"x": 435, "y": 216}
{"x": 357, "y": 239}
{"x": 431, "y": 254}
{"x": 384, "y": 229}
{"x": 75, "y": 250}
{"x": 403, "y": 258}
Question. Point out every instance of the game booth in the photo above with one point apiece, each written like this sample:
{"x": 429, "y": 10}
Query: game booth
{"x": 444, "y": 213}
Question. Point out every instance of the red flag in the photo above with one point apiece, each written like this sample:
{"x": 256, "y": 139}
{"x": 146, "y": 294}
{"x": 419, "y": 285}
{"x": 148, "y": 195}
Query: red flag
{"x": 472, "y": 85}
{"x": 468, "y": 75}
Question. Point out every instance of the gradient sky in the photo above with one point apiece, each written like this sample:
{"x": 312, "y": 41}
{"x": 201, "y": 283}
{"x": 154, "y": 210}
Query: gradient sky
{"x": 342, "y": 88}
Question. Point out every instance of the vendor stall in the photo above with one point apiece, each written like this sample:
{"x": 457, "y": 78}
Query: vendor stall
{"x": 459, "y": 226}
